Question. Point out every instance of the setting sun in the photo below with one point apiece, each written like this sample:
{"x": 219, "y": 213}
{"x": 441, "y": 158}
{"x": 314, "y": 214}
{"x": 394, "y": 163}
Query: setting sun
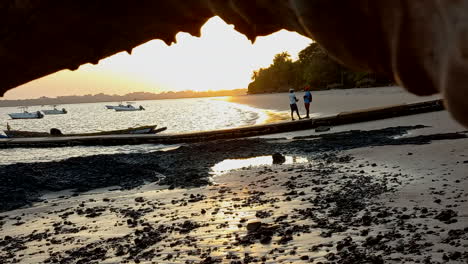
{"x": 221, "y": 59}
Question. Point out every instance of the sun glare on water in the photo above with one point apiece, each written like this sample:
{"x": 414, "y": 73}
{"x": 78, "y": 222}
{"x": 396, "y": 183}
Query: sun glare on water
{"x": 221, "y": 59}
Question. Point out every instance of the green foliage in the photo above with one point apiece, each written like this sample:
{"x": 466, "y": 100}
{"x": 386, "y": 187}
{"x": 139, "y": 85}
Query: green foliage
{"x": 315, "y": 68}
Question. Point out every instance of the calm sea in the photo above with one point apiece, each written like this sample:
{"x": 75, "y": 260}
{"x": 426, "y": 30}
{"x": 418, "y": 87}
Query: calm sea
{"x": 178, "y": 115}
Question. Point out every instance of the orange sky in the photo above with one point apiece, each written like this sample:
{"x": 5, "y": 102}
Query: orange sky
{"x": 220, "y": 59}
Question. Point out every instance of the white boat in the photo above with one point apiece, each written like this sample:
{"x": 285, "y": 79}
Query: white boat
{"x": 114, "y": 106}
{"x": 128, "y": 107}
{"x": 26, "y": 115}
{"x": 55, "y": 111}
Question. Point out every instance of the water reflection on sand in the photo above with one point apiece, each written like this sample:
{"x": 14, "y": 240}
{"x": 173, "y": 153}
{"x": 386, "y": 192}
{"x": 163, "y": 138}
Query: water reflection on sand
{"x": 228, "y": 165}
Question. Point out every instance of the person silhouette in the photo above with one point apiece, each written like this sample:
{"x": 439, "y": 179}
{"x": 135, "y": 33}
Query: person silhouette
{"x": 307, "y": 99}
{"x": 292, "y": 104}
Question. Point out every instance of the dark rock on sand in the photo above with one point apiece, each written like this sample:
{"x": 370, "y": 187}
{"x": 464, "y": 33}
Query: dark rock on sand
{"x": 278, "y": 158}
{"x": 446, "y": 215}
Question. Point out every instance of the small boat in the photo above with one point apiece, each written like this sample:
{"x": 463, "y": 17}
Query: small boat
{"x": 26, "y": 115}
{"x": 55, "y": 111}
{"x": 57, "y": 133}
{"x": 128, "y": 107}
{"x": 113, "y": 106}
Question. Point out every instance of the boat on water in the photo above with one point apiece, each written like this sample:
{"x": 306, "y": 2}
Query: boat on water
{"x": 54, "y": 132}
{"x": 113, "y": 106}
{"x": 26, "y": 115}
{"x": 128, "y": 107}
{"x": 55, "y": 111}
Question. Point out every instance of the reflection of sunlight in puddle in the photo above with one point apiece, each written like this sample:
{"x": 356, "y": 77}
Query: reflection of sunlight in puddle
{"x": 406, "y": 134}
{"x": 235, "y": 164}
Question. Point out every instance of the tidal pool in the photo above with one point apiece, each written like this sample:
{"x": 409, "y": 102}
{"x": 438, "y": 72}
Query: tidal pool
{"x": 228, "y": 165}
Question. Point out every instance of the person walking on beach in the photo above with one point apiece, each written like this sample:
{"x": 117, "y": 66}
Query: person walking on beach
{"x": 307, "y": 99}
{"x": 292, "y": 104}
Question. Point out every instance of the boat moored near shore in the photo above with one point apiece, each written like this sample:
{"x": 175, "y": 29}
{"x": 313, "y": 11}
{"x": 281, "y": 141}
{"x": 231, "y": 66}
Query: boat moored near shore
{"x": 26, "y": 115}
{"x": 56, "y": 132}
{"x": 55, "y": 111}
{"x": 128, "y": 107}
{"x": 114, "y": 106}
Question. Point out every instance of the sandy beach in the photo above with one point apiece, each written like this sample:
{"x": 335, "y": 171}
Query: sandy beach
{"x": 331, "y": 101}
{"x": 388, "y": 191}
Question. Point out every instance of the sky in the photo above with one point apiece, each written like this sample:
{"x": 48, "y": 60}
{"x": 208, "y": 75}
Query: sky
{"x": 221, "y": 59}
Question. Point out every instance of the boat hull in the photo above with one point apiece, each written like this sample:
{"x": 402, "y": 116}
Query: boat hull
{"x": 25, "y": 115}
{"x": 25, "y": 134}
{"x": 53, "y": 112}
{"x": 114, "y": 106}
{"x": 129, "y": 131}
{"x": 126, "y": 109}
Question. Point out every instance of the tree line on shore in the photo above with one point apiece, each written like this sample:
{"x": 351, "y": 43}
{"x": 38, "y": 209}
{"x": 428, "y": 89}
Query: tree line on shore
{"x": 316, "y": 68}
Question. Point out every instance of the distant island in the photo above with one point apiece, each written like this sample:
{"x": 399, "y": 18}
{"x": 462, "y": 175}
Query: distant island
{"x": 136, "y": 96}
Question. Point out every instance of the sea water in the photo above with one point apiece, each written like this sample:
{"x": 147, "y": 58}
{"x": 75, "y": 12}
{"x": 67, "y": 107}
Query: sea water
{"x": 178, "y": 115}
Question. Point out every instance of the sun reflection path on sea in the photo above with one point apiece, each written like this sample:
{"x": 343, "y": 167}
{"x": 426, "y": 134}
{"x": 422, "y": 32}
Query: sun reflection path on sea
{"x": 259, "y": 116}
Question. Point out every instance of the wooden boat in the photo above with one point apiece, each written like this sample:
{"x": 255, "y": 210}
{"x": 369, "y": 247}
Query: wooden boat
{"x": 25, "y": 134}
{"x": 57, "y": 133}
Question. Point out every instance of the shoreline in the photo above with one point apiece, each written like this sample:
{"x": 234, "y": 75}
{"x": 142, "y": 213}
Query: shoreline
{"x": 341, "y": 118}
{"x": 333, "y": 101}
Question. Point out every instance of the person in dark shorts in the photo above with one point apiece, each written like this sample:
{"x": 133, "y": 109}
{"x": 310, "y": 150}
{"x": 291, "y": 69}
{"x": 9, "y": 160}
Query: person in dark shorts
{"x": 292, "y": 103}
{"x": 307, "y": 99}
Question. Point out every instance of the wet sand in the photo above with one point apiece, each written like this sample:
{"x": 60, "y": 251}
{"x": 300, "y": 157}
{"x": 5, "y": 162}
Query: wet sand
{"x": 387, "y": 194}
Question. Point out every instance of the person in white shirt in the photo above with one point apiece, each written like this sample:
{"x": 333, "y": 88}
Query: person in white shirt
{"x": 292, "y": 103}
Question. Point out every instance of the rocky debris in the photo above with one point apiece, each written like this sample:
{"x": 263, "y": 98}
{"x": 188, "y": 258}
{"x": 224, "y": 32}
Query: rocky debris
{"x": 187, "y": 226}
{"x": 253, "y": 226}
{"x": 130, "y": 247}
{"x": 210, "y": 260}
{"x": 91, "y": 212}
{"x": 263, "y": 214}
{"x": 447, "y": 216}
{"x": 455, "y": 234}
{"x": 322, "y": 129}
{"x": 22, "y": 184}
{"x": 257, "y": 232}
{"x": 278, "y": 158}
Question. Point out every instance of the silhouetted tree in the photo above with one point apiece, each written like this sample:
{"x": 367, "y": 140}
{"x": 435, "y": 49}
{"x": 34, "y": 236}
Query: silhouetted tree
{"x": 314, "y": 67}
